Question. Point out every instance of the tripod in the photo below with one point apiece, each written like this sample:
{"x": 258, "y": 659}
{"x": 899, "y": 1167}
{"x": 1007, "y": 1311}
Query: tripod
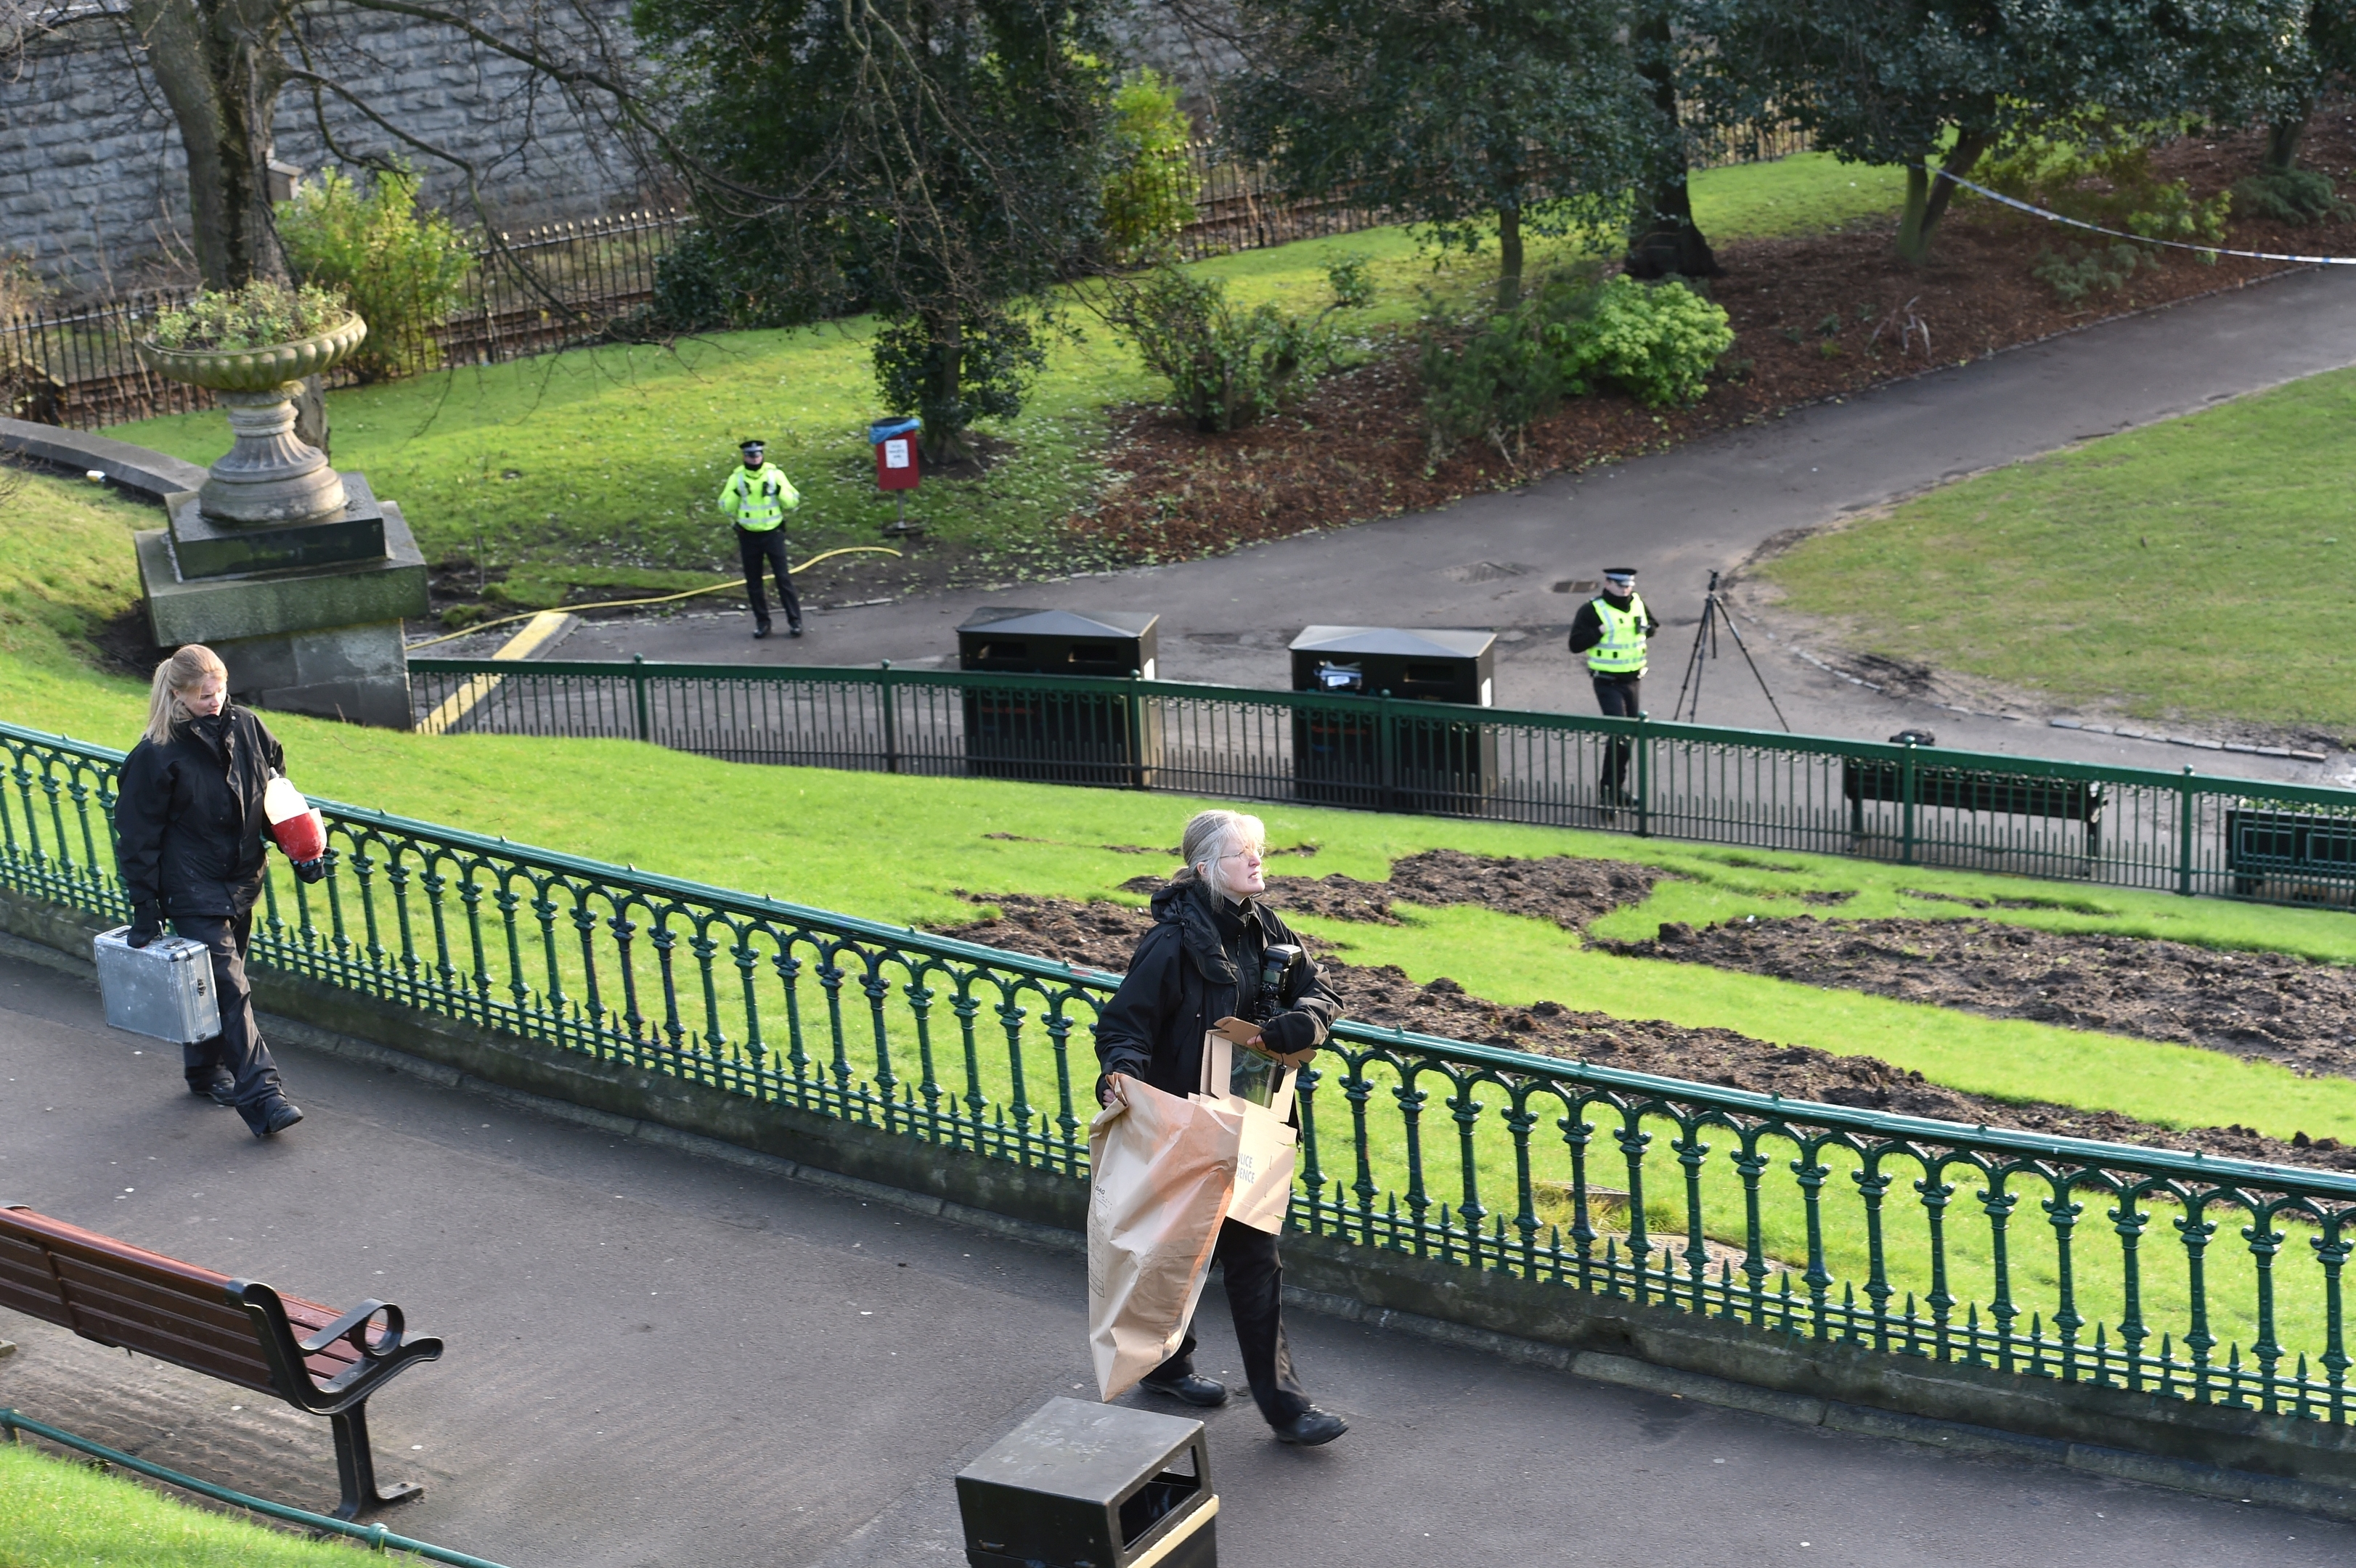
{"x": 1713, "y": 612}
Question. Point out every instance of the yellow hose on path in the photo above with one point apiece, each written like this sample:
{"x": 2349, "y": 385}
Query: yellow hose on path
{"x": 632, "y": 604}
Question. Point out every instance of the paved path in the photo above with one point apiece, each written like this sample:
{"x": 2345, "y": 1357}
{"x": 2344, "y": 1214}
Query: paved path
{"x": 660, "y": 1359}
{"x": 1492, "y": 561}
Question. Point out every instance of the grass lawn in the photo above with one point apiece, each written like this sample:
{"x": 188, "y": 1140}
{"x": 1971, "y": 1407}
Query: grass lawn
{"x": 2204, "y": 569}
{"x": 596, "y": 469}
{"x": 60, "y": 1513}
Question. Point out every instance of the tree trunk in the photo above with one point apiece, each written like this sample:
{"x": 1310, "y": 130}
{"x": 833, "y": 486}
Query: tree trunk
{"x": 1927, "y": 199}
{"x": 1663, "y": 241}
{"x": 946, "y": 441}
{"x": 218, "y": 68}
{"x": 1509, "y": 257}
{"x": 2283, "y": 138}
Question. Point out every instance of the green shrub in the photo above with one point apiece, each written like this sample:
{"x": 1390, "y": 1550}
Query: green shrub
{"x": 2075, "y": 272}
{"x": 1227, "y": 368}
{"x": 263, "y": 313}
{"x": 2291, "y": 195}
{"x": 1656, "y": 341}
{"x": 401, "y": 267}
{"x": 1150, "y": 194}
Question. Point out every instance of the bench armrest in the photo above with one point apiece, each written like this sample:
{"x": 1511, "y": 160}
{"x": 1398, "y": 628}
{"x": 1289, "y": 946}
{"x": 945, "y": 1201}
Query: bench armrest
{"x": 357, "y": 1318}
{"x": 376, "y": 1364}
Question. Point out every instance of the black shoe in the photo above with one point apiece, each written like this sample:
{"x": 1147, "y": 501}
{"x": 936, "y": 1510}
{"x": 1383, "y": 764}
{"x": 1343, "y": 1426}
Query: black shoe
{"x": 1194, "y": 1387}
{"x": 270, "y": 1116}
{"x": 219, "y": 1088}
{"x": 1311, "y": 1427}
{"x": 760, "y": 632}
{"x": 793, "y": 631}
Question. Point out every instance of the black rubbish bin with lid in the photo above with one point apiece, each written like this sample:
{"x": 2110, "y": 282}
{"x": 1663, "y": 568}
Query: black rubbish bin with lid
{"x": 1024, "y": 731}
{"x": 1092, "y": 1485}
{"x": 1347, "y": 755}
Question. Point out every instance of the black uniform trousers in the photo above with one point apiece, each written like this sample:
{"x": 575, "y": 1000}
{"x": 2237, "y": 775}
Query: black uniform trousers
{"x": 1254, "y": 1279}
{"x": 1615, "y": 695}
{"x": 238, "y": 1046}
{"x": 767, "y": 546}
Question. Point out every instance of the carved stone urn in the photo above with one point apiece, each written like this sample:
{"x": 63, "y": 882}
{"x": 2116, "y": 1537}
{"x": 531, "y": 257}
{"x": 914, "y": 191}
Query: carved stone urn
{"x": 269, "y": 477}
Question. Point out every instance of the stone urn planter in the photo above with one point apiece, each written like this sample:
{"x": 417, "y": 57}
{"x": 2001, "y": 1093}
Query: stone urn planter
{"x": 269, "y": 477}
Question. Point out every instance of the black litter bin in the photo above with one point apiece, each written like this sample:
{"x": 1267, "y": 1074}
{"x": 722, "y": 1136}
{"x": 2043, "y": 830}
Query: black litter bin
{"x": 1091, "y": 1486}
{"x": 1085, "y": 738}
{"x": 1342, "y": 756}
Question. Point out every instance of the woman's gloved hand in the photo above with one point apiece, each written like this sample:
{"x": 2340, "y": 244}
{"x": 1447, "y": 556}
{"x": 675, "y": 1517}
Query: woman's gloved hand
{"x": 1289, "y": 1034}
{"x": 312, "y": 870}
{"x": 147, "y": 923}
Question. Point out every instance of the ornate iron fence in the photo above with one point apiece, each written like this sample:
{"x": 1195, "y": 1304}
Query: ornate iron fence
{"x": 1914, "y": 1238}
{"x": 2132, "y": 828}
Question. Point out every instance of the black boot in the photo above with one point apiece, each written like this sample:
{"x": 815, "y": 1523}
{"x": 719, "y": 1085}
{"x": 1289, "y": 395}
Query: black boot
{"x": 219, "y": 1087}
{"x": 267, "y": 1117}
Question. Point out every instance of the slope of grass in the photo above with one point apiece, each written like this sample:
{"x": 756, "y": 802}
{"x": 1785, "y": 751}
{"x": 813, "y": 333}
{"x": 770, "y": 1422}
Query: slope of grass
{"x": 57, "y": 1513}
{"x": 597, "y": 468}
{"x": 2202, "y": 568}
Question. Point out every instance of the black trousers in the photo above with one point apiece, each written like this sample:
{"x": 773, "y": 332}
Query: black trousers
{"x": 768, "y": 547}
{"x": 1616, "y": 697}
{"x": 238, "y": 1045}
{"x": 1255, "y": 1278}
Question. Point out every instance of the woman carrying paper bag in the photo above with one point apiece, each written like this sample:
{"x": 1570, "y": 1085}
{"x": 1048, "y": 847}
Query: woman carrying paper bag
{"x": 1207, "y": 960}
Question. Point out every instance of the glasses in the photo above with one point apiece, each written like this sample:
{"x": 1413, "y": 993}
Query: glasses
{"x": 1243, "y": 855}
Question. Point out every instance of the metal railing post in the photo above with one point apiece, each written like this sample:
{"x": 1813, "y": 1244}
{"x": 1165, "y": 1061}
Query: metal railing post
{"x": 1136, "y": 733}
{"x": 1386, "y": 743}
{"x": 891, "y": 721}
{"x": 2184, "y": 834}
{"x": 639, "y": 694}
{"x": 1644, "y": 777}
{"x": 1906, "y": 781}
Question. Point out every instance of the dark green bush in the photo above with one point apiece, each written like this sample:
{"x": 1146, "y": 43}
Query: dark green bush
{"x": 2290, "y": 196}
{"x": 1150, "y": 194}
{"x": 1226, "y": 368}
{"x": 402, "y": 267}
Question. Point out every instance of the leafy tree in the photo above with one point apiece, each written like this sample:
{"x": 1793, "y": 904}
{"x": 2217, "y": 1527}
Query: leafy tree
{"x": 1663, "y": 241}
{"x": 400, "y": 267}
{"x": 1150, "y": 194}
{"x": 1459, "y": 114}
{"x": 1934, "y": 84}
{"x": 940, "y": 161}
{"x": 2326, "y": 58}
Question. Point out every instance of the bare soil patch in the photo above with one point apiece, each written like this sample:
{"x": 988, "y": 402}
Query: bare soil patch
{"x": 1815, "y": 316}
{"x": 1102, "y": 936}
{"x": 2259, "y": 1005}
{"x": 1570, "y": 893}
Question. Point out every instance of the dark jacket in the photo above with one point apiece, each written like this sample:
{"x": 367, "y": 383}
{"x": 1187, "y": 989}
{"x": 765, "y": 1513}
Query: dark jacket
{"x": 1586, "y": 626}
{"x": 188, "y": 822}
{"x": 1200, "y": 963}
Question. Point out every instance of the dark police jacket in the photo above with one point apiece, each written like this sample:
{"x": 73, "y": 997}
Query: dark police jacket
{"x": 188, "y": 824}
{"x": 1199, "y": 964}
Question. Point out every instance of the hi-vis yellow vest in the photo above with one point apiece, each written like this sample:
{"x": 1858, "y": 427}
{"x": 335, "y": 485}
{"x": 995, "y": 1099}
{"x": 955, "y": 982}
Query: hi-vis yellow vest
{"x": 1622, "y": 651}
{"x": 758, "y": 501}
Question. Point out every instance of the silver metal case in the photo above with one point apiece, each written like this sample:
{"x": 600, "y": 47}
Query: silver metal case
{"x": 164, "y": 990}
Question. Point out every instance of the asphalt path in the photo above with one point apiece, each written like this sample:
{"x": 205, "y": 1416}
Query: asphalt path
{"x": 1504, "y": 560}
{"x": 655, "y": 1358}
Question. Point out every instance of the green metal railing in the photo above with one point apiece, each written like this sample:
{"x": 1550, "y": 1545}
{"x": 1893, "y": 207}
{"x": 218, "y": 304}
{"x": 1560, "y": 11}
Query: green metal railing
{"x": 2123, "y": 827}
{"x": 2210, "y": 1280}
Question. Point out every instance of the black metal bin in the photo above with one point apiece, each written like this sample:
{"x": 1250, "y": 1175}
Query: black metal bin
{"x": 1050, "y": 737}
{"x": 1344, "y": 756}
{"x": 1092, "y": 1485}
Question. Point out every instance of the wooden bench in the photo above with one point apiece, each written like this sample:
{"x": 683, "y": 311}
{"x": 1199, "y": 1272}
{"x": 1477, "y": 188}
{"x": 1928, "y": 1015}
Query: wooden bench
{"x": 2264, "y": 844}
{"x": 238, "y": 1330}
{"x": 1976, "y": 789}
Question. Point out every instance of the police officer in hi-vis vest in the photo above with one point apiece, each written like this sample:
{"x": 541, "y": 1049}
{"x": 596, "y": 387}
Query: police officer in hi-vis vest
{"x": 758, "y": 496}
{"x": 1612, "y": 630}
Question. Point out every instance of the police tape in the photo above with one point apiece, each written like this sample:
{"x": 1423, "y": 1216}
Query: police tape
{"x": 2052, "y": 217}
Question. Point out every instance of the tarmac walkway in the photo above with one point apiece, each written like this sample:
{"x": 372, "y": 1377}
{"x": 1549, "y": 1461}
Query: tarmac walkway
{"x": 660, "y": 1359}
{"x": 1495, "y": 559}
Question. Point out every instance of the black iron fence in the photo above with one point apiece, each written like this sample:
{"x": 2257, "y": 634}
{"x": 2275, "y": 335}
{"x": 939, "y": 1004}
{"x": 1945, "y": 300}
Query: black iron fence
{"x": 1917, "y": 805}
{"x": 2171, "y": 1276}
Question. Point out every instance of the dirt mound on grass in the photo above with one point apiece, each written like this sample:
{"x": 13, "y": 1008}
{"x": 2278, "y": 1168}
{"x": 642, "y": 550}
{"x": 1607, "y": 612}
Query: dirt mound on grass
{"x": 1570, "y": 893}
{"x": 1103, "y": 935}
{"x": 2259, "y": 1005}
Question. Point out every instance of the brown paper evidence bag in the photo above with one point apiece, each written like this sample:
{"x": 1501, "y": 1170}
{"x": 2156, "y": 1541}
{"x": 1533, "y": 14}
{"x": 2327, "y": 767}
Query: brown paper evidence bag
{"x": 1164, "y": 1174}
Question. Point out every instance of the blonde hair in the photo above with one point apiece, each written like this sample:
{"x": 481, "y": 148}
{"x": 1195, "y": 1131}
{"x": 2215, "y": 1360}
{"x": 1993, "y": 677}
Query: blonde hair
{"x": 184, "y": 671}
{"x": 1210, "y": 835}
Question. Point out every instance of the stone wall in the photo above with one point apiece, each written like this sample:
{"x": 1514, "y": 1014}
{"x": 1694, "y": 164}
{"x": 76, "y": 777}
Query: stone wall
{"x": 91, "y": 182}
{"x": 91, "y": 178}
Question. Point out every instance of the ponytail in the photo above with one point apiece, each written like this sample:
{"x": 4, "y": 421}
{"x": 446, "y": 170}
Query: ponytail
{"x": 184, "y": 671}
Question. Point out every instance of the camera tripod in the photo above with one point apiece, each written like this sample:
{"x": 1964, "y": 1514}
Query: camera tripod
{"x": 1713, "y": 613}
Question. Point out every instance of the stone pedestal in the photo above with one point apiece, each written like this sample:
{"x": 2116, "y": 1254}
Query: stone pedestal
{"x": 306, "y": 614}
